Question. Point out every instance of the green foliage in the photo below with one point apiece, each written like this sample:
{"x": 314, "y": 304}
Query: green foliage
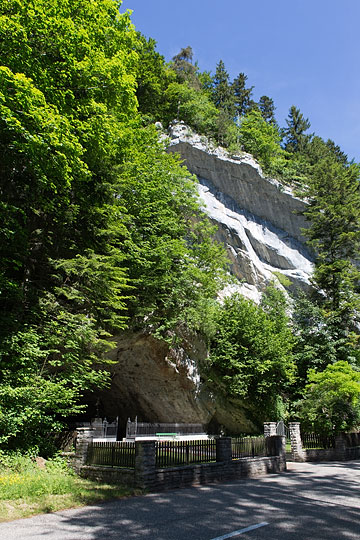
{"x": 173, "y": 260}
{"x": 222, "y": 91}
{"x": 251, "y": 354}
{"x": 283, "y": 280}
{"x": 267, "y": 109}
{"x": 334, "y": 232}
{"x": 322, "y": 338}
{"x": 295, "y": 137}
{"x": 191, "y": 106}
{"x": 262, "y": 140}
{"x": 243, "y": 102}
{"x": 67, "y": 84}
{"x": 332, "y": 400}
{"x": 152, "y": 78}
{"x": 185, "y": 71}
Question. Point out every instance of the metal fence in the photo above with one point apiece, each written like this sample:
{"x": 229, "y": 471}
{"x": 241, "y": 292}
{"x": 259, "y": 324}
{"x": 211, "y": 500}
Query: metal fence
{"x": 248, "y": 447}
{"x": 112, "y": 454}
{"x": 175, "y": 453}
{"x": 143, "y": 429}
{"x": 316, "y": 441}
{"x": 352, "y": 439}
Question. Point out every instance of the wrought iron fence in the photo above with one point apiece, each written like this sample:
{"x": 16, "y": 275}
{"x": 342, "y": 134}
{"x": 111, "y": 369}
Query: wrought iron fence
{"x": 175, "y": 453}
{"x": 143, "y": 429}
{"x": 112, "y": 454}
{"x": 248, "y": 447}
{"x": 352, "y": 439}
{"x": 316, "y": 441}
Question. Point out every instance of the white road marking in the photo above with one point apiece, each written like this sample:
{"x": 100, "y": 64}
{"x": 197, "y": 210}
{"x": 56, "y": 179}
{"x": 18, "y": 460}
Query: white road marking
{"x": 240, "y": 531}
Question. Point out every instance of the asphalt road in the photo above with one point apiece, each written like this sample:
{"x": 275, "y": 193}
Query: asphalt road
{"x": 308, "y": 502}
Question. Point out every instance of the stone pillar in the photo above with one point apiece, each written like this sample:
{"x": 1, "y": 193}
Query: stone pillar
{"x": 297, "y": 452}
{"x": 97, "y": 425}
{"x": 340, "y": 447}
{"x": 145, "y": 463}
{"x": 269, "y": 429}
{"x": 84, "y": 437}
{"x": 223, "y": 449}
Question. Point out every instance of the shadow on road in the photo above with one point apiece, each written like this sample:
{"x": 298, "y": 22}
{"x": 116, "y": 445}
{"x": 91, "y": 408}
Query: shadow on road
{"x": 322, "y": 498}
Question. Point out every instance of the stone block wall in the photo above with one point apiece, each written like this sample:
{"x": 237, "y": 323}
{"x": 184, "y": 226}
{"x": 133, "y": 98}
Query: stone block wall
{"x": 147, "y": 476}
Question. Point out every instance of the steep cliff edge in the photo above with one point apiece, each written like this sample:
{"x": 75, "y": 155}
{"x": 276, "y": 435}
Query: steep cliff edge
{"x": 260, "y": 224}
{"x": 258, "y": 219}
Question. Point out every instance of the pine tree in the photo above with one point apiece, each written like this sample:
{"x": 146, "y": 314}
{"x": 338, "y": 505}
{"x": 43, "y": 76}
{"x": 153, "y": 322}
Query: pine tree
{"x": 222, "y": 92}
{"x": 184, "y": 68}
{"x": 295, "y": 137}
{"x": 267, "y": 109}
{"x": 334, "y": 213}
{"x": 242, "y": 95}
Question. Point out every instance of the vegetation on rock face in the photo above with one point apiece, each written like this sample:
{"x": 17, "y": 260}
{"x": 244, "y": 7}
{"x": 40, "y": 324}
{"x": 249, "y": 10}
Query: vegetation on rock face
{"x": 101, "y": 230}
{"x": 251, "y": 353}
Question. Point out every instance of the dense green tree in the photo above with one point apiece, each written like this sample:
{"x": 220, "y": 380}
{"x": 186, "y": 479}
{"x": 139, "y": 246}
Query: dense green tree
{"x": 321, "y": 338}
{"x": 251, "y": 355}
{"x": 242, "y": 96}
{"x": 267, "y": 109}
{"x": 67, "y": 84}
{"x": 92, "y": 209}
{"x": 296, "y": 139}
{"x": 182, "y": 102}
{"x": 152, "y": 79}
{"x": 173, "y": 262}
{"x": 331, "y": 404}
{"x": 222, "y": 92}
{"x": 262, "y": 140}
{"x": 185, "y": 70}
{"x": 334, "y": 231}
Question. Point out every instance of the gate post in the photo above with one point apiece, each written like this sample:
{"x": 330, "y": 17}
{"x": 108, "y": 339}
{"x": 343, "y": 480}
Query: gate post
{"x": 223, "y": 449}
{"x": 84, "y": 437}
{"x": 297, "y": 452}
{"x": 145, "y": 463}
{"x": 269, "y": 429}
{"x": 340, "y": 447}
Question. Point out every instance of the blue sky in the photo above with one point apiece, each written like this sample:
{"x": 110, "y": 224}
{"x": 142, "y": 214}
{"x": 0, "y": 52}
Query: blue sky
{"x": 299, "y": 52}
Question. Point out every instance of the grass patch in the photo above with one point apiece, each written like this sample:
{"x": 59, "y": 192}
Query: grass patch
{"x": 27, "y": 490}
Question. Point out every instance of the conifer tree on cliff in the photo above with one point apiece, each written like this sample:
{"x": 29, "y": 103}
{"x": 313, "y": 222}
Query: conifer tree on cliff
{"x": 267, "y": 109}
{"x": 222, "y": 93}
{"x": 295, "y": 137}
{"x": 184, "y": 68}
{"x": 242, "y": 95}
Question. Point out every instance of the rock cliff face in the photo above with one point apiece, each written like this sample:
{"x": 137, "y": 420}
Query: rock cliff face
{"x": 158, "y": 384}
{"x": 258, "y": 220}
{"x": 260, "y": 224}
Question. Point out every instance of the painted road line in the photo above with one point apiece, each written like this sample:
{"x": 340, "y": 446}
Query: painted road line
{"x": 240, "y": 531}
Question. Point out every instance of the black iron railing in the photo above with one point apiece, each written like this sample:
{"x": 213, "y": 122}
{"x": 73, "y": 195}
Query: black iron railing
{"x": 175, "y": 453}
{"x": 143, "y": 429}
{"x": 248, "y": 447}
{"x": 352, "y": 439}
{"x": 316, "y": 441}
{"x": 111, "y": 454}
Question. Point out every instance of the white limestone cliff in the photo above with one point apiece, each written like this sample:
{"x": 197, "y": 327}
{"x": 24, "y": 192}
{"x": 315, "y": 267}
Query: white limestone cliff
{"x": 259, "y": 221}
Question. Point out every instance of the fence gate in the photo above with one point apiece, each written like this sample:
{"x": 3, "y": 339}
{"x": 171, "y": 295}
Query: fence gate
{"x": 284, "y": 431}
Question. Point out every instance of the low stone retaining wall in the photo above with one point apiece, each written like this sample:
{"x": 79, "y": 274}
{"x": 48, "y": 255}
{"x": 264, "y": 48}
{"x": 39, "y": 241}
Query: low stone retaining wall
{"x": 146, "y": 475}
{"x": 331, "y": 454}
{"x": 188, "y": 475}
{"x": 353, "y": 452}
